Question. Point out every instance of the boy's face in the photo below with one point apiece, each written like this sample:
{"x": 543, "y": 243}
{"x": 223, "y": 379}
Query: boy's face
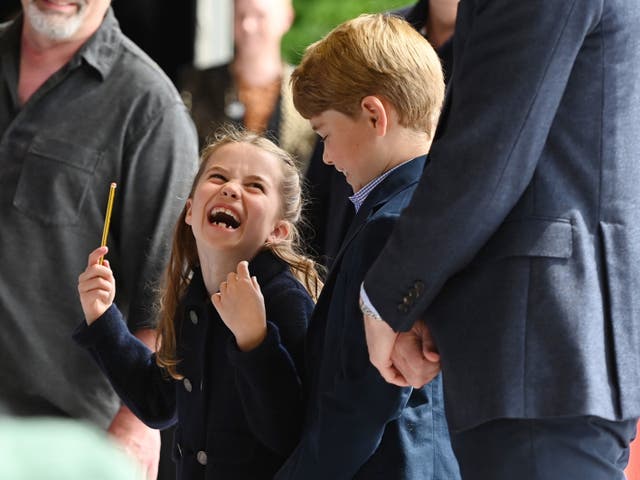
{"x": 349, "y": 145}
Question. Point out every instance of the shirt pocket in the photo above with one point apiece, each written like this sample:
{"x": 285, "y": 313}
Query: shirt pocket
{"x": 54, "y": 181}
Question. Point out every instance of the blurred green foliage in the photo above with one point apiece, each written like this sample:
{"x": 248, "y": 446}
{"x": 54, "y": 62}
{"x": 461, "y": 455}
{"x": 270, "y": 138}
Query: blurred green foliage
{"x": 315, "y": 18}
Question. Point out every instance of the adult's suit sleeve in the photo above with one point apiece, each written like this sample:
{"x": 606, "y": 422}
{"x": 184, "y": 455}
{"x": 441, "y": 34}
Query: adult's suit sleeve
{"x": 354, "y": 403}
{"x": 508, "y": 79}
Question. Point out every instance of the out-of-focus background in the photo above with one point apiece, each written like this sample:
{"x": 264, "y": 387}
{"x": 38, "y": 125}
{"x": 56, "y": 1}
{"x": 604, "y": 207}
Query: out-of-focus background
{"x": 314, "y": 18}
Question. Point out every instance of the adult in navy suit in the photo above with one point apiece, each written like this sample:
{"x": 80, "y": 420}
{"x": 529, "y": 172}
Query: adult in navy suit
{"x": 521, "y": 246}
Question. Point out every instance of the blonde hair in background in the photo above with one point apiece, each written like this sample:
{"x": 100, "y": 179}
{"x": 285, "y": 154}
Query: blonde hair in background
{"x": 184, "y": 254}
{"x": 373, "y": 54}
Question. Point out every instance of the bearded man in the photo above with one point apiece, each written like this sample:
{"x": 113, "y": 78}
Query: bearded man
{"x": 80, "y": 107}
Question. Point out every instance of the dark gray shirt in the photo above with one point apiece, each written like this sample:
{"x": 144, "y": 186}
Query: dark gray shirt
{"x": 109, "y": 115}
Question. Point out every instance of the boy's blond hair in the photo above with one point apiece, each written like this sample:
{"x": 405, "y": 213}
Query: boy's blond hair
{"x": 373, "y": 54}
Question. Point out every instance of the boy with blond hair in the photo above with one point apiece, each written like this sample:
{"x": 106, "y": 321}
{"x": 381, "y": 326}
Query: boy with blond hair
{"x": 372, "y": 89}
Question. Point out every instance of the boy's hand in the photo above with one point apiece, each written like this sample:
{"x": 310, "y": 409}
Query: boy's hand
{"x": 381, "y": 339}
{"x": 241, "y": 307}
{"x": 96, "y": 286}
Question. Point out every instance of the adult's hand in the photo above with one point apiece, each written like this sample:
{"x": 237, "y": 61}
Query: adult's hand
{"x": 381, "y": 339}
{"x": 139, "y": 441}
{"x": 415, "y": 355}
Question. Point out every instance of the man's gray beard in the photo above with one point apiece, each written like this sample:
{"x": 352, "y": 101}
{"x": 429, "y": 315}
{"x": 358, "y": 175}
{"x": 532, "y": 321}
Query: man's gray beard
{"x": 54, "y": 27}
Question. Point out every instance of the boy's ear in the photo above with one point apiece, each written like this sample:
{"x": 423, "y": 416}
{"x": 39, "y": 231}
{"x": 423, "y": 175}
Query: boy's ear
{"x": 187, "y": 215}
{"x": 280, "y": 231}
{"x": 375, "y": 113}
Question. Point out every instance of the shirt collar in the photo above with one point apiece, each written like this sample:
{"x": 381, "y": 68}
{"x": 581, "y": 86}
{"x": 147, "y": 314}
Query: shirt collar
{"x": 102, "y": 48}
{"x": 361, "y": 195}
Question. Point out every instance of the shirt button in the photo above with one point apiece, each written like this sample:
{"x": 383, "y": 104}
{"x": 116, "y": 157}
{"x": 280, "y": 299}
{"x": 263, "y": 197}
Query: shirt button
{"x": 187, "y": 384}
{"x": 201, "y": 456}
{"x": 193, "y": 316}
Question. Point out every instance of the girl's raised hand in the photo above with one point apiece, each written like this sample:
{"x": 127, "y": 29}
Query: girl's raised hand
{"x": 241, "y": 307}
{"x": 96, "y": 286}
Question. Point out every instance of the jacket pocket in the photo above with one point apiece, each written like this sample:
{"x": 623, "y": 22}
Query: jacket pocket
{"x": 54, "y": 181}
{"x": 529, "y": 237}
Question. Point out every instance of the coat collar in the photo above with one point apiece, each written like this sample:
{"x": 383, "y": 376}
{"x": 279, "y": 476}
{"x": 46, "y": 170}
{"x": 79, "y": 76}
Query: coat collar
{"x": 264, "y": 266}
{"x": 400, "y": 179}
{"x": 102, "y": 48}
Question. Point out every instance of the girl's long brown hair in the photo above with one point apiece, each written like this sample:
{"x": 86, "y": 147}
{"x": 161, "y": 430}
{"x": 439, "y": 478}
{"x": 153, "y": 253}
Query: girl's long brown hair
{"x": 184, "y": 254}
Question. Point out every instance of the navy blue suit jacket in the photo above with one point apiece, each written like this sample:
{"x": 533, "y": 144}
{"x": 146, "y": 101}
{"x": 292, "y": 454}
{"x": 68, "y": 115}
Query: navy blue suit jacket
{"x": 238, "y": 414}
{"x": 522, "y": 240}
{"x": 357, "y": 425}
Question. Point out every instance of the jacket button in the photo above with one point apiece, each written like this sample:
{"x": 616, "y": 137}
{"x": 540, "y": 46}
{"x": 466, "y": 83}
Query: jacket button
{"x": 402, "y": 308}
{"x": 193, "y": 316}
{"x": 187, "y": 384}
{"x": 418, "y": 287}
{"x": 201, "y": 456}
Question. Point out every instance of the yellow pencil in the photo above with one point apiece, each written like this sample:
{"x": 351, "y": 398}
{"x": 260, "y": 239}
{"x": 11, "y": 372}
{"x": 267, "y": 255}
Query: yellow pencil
{"x": 107, "y": 218}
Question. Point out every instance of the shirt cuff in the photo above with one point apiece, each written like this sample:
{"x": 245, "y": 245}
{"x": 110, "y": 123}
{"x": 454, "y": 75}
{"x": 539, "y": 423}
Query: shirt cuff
{"x": 366, "y": 304}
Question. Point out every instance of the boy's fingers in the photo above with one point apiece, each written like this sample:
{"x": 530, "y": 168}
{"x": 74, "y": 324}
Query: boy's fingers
{"x": 254, "y": 282}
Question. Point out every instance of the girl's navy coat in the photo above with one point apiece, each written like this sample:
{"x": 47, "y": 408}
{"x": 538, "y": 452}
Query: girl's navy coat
{"x": 238, "y": 413}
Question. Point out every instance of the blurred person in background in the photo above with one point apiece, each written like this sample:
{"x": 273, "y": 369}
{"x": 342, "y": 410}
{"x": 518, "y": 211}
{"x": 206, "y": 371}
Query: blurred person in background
{"x": 60, "y": 449}
{"x": 253, "y": 90}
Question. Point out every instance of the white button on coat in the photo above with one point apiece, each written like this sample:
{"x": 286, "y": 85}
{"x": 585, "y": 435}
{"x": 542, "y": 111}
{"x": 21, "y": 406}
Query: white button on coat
{"x": 187, "y": 384}
{"x": 201, "y": 456}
